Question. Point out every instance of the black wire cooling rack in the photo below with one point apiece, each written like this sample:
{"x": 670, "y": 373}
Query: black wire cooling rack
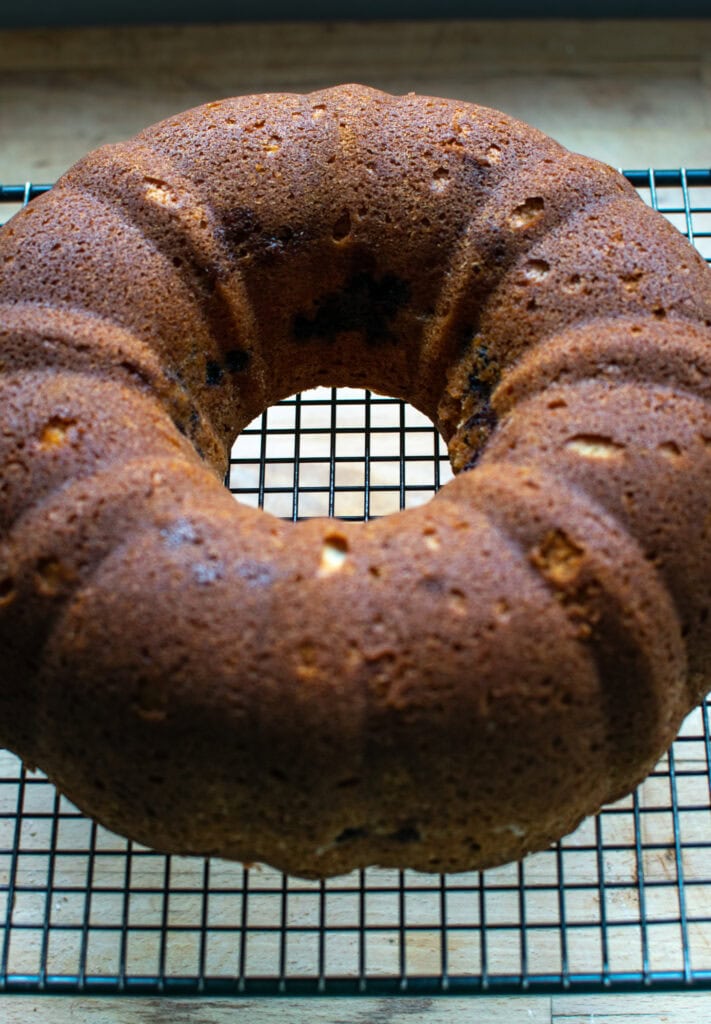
{"x": 623, "y": 903}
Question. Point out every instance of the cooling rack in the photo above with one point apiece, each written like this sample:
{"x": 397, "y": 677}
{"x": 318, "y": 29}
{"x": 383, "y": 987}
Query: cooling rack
{"x": 622, "y": 904}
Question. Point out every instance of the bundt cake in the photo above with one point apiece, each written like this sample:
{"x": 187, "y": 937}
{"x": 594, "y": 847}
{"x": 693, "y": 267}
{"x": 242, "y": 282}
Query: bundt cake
{"x": 446, "y": 688}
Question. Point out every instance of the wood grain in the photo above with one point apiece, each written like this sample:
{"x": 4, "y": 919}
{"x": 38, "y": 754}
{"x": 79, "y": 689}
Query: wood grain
{"x": 626, "y": 1009}
{"x": 633, "y": 94}
{"x": 328, "y": 1011}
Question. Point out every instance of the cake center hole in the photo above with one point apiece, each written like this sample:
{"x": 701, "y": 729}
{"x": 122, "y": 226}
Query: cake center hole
{"x": 340, "y": 452}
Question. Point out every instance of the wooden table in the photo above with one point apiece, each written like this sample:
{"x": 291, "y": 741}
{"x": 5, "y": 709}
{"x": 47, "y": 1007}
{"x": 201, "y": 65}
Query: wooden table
{"x": 635, "y": 94}
{"x": 631, "y": 93}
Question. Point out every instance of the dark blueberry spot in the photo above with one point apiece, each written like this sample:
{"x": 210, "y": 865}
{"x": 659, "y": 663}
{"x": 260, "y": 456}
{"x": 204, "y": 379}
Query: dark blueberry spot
{"x": 347, "y": 783}
{"x": 484, "y": 418}
{"x": 245, "y": 235}
{"x": 256, "y": 574}
{"x": 432, "y": 584}
{"x": 194, "y": 418}
{"x": 480, "y": 388}
{"x": 213, "y": 374}
{"x": 479, "y": 427}
{"x": 499, "y": 255}
{"x": 364, "y": 304}
{"x": 136, "y": 371}
{"x": 349, "y": 834}
{"x": 236, "y": 360}
{"x": 210, "y": 279}
{"x": 238, "y": 226}
{"x": 406, "y": 834}
{"x": 275, "y": 243}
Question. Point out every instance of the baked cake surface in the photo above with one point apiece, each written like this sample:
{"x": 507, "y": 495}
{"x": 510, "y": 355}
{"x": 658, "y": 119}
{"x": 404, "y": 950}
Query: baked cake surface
{"x": 442, "y": 689}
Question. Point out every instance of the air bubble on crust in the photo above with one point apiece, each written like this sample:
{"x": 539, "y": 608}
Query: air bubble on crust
{"x": 55, "y": 431}
{"x": 348, "y": 783}
{"x": 558, "y": 557}
{"x": 513, "y": 829}
{"x": 307, "y": 668}
{"x": 160, "y": 192}
{"x": 406, "y": 834}
{"x": 342, "y": 227}
{"x": 536, "y": 270}
{"x": 348, "y": 835}
{"x": 149, "y": 701}
{"x": 333, "y": 554}
{"x": 440, "y": 179}
{"x": 670, "y": 450}
{"x": 432, "y": 542}
{"x": 574, "y": 285}
{"x": 8, "y": 593}
{"x": 457, "y": 603}
{"x": 526, "y": 214}
{"x": 594, "y": 446}
{"x": 51, "y": 576}
{"x": 630, "y": 282}
{"x": 354, "y": 658}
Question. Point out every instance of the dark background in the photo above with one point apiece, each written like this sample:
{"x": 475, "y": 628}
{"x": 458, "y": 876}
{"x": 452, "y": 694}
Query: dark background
{"x": 45, "y": 13}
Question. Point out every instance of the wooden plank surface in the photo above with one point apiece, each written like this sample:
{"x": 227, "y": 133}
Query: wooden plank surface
{"x": 327, "y": 1011}
{"x": 634, "y": 94}
{"x": 629, "y": 1009}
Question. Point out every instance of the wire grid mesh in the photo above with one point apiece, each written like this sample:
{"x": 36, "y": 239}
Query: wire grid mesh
{"x": 623, "y": 903}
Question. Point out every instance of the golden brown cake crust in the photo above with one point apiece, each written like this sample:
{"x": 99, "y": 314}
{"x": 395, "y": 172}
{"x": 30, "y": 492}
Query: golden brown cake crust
{"x": 443, "y": 689}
